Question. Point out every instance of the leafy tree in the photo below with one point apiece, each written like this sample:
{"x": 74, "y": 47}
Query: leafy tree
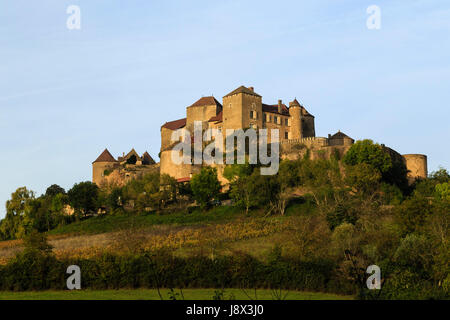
{"x": 53, "y": 190}
{"x": 114, "y": 199}
{"x": 242, "y": 192}
{"x": 440, "y": 176}
{"x": 83, "y": 197}
{"x": 205, "y": 186}
{"x": 413, "y": 213}
{"x": 392, "y": 170}
{"x": 235, "y": 171}
{"x": 37, "y": 241}
{"x": 366, "y": 151}
{"x": 17, "y": 222}
{"x": 443, "y": 191}
{"x": 363, "y": 178}
{"x": 169, "y": 188}
{"x": 343, "y": 213}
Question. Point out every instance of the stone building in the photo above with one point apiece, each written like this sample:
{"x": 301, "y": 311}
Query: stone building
{"x": 106, "y": 170}
{"x": 242, "y": 108}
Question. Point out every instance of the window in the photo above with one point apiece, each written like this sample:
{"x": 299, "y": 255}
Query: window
{"x": 286, "y": 122}
{"x": 275, "y": 119}
{"x": 286, "y": 135}
{"x": 251, "y": 114}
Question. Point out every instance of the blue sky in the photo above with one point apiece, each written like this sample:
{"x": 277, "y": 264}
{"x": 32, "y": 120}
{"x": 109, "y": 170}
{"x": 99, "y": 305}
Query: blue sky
{"x": 65, "y": 95}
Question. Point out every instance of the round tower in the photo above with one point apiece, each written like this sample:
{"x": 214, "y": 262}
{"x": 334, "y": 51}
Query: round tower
{"x": 104, "y": 162}
{"x": 416, "y": 164}
{"x": 295, "y": 111}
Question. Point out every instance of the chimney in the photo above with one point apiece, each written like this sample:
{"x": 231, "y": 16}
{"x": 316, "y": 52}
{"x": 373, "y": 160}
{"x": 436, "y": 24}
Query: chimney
{"x": 280, "y": 102}
{"x": 251, "y": 89}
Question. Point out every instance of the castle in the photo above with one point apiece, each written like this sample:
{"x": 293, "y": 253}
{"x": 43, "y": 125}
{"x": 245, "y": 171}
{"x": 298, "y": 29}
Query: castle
{"x": 240, "y": 109}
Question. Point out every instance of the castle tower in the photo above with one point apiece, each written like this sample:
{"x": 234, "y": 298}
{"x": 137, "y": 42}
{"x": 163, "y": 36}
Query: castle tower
{"x": 416, "y": 165}
{"x": 242, "y": 108}
{"x": 104, "y": 162}
{"x": 295, "y": 111}
{"x": 202, "y": 110}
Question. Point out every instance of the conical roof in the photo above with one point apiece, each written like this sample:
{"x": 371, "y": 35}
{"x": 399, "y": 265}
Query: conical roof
{"x": 105, "y": 156}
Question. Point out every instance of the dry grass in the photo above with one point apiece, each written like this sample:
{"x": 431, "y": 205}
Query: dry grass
{"x": 239, "y": 235}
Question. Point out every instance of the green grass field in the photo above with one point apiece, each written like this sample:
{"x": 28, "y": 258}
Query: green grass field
{"x": 152, "y": 294}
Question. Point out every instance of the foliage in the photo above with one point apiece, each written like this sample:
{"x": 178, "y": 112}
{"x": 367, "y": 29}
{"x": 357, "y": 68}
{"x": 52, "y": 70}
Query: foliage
{"x": 83, "y": 197}
{"x": 54, "y": 190}
{"x": 205, "y": 186}
{"x": 366, "y": 151}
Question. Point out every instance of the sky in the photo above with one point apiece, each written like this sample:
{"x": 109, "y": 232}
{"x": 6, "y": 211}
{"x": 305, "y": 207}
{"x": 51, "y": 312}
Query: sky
{"x": 67, "y": 94}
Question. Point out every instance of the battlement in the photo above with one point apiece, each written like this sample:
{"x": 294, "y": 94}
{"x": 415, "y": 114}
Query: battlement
{"x": 319, "y": 141}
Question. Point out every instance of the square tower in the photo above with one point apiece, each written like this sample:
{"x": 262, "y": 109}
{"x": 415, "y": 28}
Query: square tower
{"x": 242, "y": 108}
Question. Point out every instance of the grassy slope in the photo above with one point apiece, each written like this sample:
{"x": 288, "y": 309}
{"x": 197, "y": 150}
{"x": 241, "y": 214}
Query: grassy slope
{"x": 107, "y": 224}
{"x": 114, "y": 223}
{"x": 152, "y": 294}
{"x": 101, "y": 231}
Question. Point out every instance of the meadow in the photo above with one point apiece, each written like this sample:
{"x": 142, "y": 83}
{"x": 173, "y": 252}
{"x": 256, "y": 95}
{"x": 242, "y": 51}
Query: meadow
{"x": 186, "y": 294}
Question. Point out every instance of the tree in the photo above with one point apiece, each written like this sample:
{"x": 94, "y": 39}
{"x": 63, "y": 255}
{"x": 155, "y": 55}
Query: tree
{"x": 413, "y": 213}
{"x": 205, "y": 186}
{"x": 363, "y": 178}
{"x": 83, "y": 197}
{"x": 114, "y": 199}
{"x": 366, "y": 151}
{"x": 17, "y": 222}
{"x": 169, "y": 188}
{"x": 53, "y": 190}
{"x": 391, "y": 168}
{"x": 37, "y": 241}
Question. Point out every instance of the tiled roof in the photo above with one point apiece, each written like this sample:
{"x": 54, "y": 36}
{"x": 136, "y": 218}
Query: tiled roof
{"x": 295, "y": 102}
{"x": 274, "y": 109}
{"x": 174, "y": 125}
{"x": 339, "y": 135}
{"x": 186, "y": 179}
{"x": 132, "y": 152}
{"x": 243, "y": 89}
{"x": 206, "y": 101}
{"x": 216, "y": 118}
{"x": 306, "y": 113}
{"x": 147, "y": 158}
{"x": 105, "y": 156}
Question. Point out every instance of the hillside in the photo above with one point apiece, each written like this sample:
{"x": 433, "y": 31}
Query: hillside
{"x": 220, "y": 230}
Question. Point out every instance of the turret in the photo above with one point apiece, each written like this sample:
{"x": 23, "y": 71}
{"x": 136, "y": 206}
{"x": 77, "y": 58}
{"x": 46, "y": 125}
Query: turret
{"x": 295, "y": 111}
{"x": 104, "y": 162}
